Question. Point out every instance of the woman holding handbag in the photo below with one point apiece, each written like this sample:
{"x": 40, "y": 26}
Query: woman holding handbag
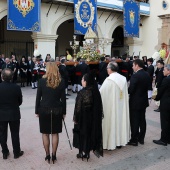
{"x": 51, "y": 108}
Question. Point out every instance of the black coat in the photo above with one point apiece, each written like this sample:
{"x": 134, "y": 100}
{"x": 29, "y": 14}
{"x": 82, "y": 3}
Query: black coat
{"x": 8, "y": 66}
{"x": 64, "y": 74}
{"x": 138, "y": 90}
{"x": 102, "y": 72}
{"x": 150, "y": 70}
{"x": 48, "y": 97}
{"x": 29, "y": 65}
{"x": 159, "y": 77}
{"x": 84, "y": 68}
{"x": 1, "y": 63}
{"x": 10, "y": 100}
{"x": 164, "y": 94}
{"x": 88, "y": 115}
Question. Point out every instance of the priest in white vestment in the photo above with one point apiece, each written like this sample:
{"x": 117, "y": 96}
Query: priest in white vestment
{"x": 115, "y": 125}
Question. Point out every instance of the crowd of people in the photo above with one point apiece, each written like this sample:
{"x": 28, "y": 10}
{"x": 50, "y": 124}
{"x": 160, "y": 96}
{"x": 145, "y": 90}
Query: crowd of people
{"x": 109, "y": 109}
{"x": 29, "y": 69}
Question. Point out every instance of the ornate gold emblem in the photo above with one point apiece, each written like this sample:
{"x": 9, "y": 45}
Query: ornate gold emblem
{"x": 132, "y": 17}
{"x": 84, "y": 12}
{"x": 24, "y": 6}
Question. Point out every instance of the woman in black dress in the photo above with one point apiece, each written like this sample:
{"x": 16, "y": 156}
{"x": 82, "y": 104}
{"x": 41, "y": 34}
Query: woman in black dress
{"x": 51, "y": 108}
{"x": 23, "y": 71}
{"x": 88, "y": 113}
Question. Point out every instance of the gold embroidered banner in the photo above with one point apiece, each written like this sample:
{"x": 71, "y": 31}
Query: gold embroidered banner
{"x": 24, "y": 15}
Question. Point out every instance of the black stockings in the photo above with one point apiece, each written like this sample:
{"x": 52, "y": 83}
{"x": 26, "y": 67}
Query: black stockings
{"x": 55, "y": 141}
{"x": 46, "y": 143}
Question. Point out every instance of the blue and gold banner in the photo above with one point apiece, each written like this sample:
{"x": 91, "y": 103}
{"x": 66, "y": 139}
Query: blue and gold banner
{"x": 131, "y": 10}
{"x": 85, "y": 14}
{"x": 24, "y": 15}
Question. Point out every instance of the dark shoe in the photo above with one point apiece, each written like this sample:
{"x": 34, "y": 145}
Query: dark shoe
{"x": 54, "y": 158}
{"x": 68, "y": 95}
{"x": 157, "y": 110}
{"x": 132, "y": 143}
{"x": 87, "y": 156}
{"x": 74, "y": 91}
{"x": 5, "y": 155}
{"x": 118, "y": 147}
{"x": 67, "y": 98}
{"x": 141, "y": 142}
{"x": 47, "y": 158}
{"x": 18, "y": 155}
{"x": 159, "y": 142}
{"x": 80, "y": 155}
{"x": 33, "y": 87}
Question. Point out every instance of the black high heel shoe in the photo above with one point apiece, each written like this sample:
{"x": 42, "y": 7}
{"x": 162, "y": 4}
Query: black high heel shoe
{"x": 54, "y": 158}
{"x": 80, "y": 155}
{"x": 87, "y": 156}
{"x": 47, "y": 158}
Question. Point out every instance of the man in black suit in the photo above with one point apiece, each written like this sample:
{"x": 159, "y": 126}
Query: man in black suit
{"x": 10, "y": 100}
{"x": 150, "y": 70}
{"x": 164, "y": 97}
{"x": 8, "y": 64}
{"x": 83, "y": 68}
{"x": 102, "y": 71}
{"x": 29, "y": 75}
{"x": 138, "y": 101}
{"x": 64, "y": 74}
{"x": 159, "y": 77}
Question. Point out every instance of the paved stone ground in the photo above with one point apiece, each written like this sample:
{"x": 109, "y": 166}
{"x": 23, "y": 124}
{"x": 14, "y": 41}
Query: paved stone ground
{"x": 143, "y": 157}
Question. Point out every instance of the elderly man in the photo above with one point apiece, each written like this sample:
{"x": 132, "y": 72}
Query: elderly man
{"x": 7, "y": 64}
{"x": 138, "y": 102}
{"x": 114, "y": 93}
{"x": 10, "y": 100}
{"x": 164, "y": 97}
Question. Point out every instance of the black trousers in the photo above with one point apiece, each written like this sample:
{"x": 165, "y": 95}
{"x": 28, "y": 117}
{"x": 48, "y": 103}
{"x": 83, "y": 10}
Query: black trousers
{"x": 138, "y": 125}
{"x": 29, "y": 78}
{"x": 165, "y": 125}
{"x": 14, "y": 128}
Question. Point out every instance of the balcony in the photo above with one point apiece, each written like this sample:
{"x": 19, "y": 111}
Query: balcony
{"x": 116, "y": 5}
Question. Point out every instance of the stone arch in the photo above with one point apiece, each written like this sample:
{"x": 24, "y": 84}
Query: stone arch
{"x": 113, "y": 27}
{"x": 59, "y": 21}
{"x": 64, "y": 18}
{"x": 3, "y": 13}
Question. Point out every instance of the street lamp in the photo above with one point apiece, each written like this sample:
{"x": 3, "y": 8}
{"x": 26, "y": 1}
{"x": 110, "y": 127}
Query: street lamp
{"x": 74, "y": 45}
{"x": 103, "y": 43}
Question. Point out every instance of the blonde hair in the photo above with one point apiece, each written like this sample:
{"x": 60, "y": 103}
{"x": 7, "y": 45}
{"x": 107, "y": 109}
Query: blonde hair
{"x": 52, "y": 75}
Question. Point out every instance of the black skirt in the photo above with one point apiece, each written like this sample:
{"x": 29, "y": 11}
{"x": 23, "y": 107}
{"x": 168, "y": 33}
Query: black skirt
{"x": 50, "y": 122}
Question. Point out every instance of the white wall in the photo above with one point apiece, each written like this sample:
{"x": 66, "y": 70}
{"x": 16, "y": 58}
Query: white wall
{"x": 147, "y": 43}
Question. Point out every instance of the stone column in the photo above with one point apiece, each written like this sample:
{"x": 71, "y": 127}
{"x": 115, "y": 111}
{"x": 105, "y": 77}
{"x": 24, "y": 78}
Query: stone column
{"x": 164, "y": 31}
{"x": 135, "y": 46}
{"x": 45, "y": 44}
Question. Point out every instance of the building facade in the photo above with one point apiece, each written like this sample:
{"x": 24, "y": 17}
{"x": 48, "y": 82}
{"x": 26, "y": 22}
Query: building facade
{"x": 57, "y": 29}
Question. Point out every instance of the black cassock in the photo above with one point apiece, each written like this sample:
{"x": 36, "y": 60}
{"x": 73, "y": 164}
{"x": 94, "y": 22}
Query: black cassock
{"x": 88, "y": 113}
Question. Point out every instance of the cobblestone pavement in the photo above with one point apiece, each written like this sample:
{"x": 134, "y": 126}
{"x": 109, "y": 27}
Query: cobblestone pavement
{"x": 144, "y": 157}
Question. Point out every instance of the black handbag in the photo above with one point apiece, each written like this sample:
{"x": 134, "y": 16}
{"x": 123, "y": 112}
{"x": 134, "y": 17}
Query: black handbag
{"x": 76, "y": 136}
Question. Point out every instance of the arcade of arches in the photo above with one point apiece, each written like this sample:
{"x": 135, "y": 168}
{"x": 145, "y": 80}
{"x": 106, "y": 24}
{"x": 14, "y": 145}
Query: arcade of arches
{"x": 57, "y": 31}
{"x": 21, "y": 43}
